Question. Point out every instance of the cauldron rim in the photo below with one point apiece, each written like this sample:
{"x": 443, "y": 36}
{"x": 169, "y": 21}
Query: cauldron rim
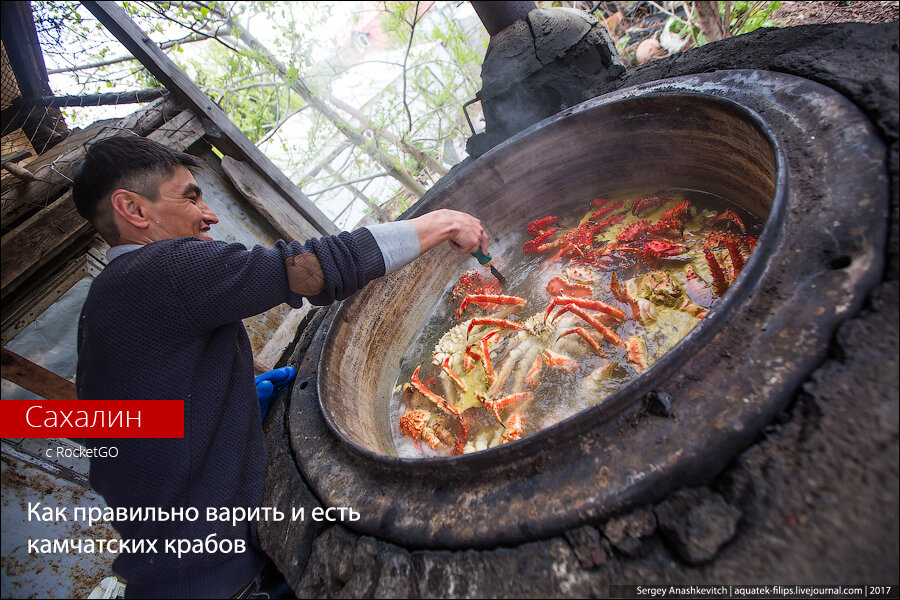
{"x": 637, "y": 389}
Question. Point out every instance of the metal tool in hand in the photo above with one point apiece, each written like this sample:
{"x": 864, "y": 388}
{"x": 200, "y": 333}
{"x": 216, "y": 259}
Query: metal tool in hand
{"x": 485, "y": 260}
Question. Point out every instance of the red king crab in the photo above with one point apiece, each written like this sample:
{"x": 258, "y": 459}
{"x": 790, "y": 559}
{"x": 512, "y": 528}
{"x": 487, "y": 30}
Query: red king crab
{"x": 490, "y": 366}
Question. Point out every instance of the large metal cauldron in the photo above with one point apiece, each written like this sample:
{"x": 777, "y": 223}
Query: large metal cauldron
{"x": 783, "y": 147}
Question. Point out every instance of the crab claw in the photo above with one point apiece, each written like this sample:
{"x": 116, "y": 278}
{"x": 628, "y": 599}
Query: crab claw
{"x": 515, "y": 427}
{"x": 664, "y": 249}
{"x": 586, "y": 337}
{"x": 555, "y": 360}
{"x": 502, "y": 323}
{"x": 637, "y": 353}
{"x": 440, "y": 402}
{"x": 558, "y": 285}
{"x": 539, "y": 225}
{"x": 496, "y": 405}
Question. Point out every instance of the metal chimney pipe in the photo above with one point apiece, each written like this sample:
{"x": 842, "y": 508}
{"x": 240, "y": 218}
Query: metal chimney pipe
{"x": 497, "y": 16}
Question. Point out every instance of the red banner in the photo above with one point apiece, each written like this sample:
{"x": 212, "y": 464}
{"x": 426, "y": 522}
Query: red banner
{"x": 92, "y": 418}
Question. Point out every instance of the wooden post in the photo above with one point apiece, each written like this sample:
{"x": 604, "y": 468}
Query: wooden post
{"x": 219, "y": 128}
{"x": 35, "y": 378}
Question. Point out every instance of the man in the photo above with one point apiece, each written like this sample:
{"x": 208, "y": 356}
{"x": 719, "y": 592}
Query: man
{"x": 163, "y": 321}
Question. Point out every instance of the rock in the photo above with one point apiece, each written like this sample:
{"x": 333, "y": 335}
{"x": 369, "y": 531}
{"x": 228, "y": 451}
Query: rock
{"x": 545, "y": 569}
{"x": 395, "y": 579}
{"x": 627, "y": 532}
{"x": 696, "y": 523}
{"x": 660, "y": 404}
{"x": 590, "y": 549}
{"x": 330, "y": 566}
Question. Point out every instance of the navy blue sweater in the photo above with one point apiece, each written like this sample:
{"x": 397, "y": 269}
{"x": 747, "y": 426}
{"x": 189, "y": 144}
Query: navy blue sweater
{"x": 164, "y": 322}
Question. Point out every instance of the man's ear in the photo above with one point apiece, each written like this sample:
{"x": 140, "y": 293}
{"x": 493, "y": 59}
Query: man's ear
{"x": 130, "y": 207}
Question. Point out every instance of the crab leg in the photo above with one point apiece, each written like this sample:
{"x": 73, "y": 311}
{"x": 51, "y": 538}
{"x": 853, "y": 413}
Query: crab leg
{"x": 486, "y": 356}
{"x": 637, "y": 354}
{"x": 445, "y": 435}
{"x": 585, "y": 303}
{"x": 496, "y": 405}
{"x": 729, "y": 216}
{"x": 463, "y": 434}
{"x": 716, "y": 271}
{"x": 608, "y": 334}
{"x": 533, "y": 378}
{"x": 586, "y": 337}
{"x": 487, "y": 298}
{"x": 470, "y": 359}
{"x": 502, "y": 323}
{"x": 440, "y": 402}
{"x": 737, "y": 260}
{"x": 453, "y": 376}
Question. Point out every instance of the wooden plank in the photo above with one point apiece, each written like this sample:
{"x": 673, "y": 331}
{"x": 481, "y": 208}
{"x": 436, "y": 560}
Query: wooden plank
{"x": 225, "y": 134}
{"x": 17, "y": 318}
{"x": 179, "y": 132}
{"x": 35, "y": 378}
{"x": 287, "y": 222}
{"x": 38, "y": 240}
{"x": 282, "y": 338}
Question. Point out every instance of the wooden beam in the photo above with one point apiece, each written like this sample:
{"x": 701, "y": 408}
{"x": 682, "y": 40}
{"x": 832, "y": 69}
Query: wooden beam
{"x": 38, "y": 240}
{"x": 264, "y": 199}
{"x": 111, "y": 98}
{"x": 24, "y": 50}
{"x": 35, "y": 378}
{"x": 225, "y": 134}
{"x": 180, "y": 132}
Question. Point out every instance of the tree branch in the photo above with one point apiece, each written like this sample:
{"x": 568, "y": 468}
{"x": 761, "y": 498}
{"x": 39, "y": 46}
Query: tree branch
{"x": 278, "y": 125}
{"x": 103, "y": 63}
{"x": 412, "y": 32}
{"x": 343, "y": 183}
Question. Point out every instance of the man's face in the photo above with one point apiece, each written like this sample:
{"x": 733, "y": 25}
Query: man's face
{"x": 180, "y": 210}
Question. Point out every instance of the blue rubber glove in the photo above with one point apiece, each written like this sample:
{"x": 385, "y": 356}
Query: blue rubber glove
{"x": 270, "y": 384}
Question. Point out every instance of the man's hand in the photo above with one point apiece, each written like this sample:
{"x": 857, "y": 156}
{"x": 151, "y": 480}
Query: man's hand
{"x": 270, "y": 384}
{"x": 462, "y": 230}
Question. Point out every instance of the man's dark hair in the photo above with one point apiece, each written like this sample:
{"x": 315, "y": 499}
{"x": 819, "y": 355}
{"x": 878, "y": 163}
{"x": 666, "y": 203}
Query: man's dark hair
{"x": 131, "y": 163}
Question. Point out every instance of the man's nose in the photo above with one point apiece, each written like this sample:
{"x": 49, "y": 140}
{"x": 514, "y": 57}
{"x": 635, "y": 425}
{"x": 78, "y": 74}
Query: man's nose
{"x": 208, "y": 215}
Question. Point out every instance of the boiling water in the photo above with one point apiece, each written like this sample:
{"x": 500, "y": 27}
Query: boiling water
{"x": 562, "y": 394}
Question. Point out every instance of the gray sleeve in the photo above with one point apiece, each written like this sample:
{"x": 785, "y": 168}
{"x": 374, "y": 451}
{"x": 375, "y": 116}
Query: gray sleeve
{"x": 398, "y": 242}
